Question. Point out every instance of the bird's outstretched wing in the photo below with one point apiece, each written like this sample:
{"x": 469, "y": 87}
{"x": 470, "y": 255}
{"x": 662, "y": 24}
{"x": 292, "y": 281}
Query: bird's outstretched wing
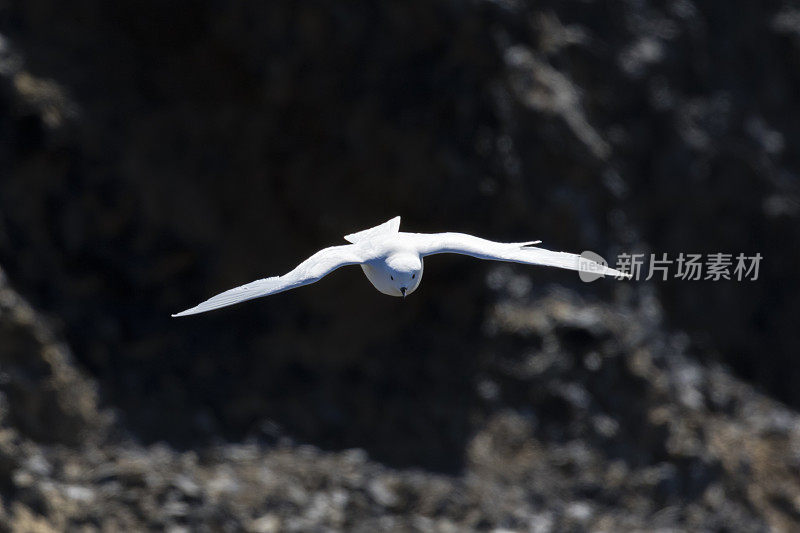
{"x": 515, "y": 252}
{"x": 312, "y": 269}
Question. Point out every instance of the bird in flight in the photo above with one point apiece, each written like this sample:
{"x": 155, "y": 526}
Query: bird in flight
{"x": 393, "y": 262}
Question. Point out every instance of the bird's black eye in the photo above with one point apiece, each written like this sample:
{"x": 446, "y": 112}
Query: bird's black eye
{"x": 392, "y": 277}
{"x": 413, "y": 276}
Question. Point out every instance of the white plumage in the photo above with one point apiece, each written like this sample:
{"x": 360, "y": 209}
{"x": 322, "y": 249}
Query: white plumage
{"x": 393, "y": 262}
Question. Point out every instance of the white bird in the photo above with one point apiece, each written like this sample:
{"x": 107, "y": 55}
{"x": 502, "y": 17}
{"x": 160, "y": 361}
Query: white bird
{"x": 393, "y": 262}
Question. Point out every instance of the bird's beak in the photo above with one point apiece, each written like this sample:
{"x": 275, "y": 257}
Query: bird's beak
{"x": 403, "y": 290}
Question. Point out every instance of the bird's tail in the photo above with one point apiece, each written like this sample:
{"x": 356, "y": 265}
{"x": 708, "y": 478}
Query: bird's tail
{"x": 390, "y": 226}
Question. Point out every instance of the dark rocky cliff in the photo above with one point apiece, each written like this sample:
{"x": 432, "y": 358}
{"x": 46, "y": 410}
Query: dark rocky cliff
{"x": 152, "y": 155}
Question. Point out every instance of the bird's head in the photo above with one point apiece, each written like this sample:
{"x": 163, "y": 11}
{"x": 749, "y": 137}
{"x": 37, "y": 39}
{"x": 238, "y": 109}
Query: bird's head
{"x": 405, "y": 273}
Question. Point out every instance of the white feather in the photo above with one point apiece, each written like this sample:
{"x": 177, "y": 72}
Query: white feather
{"x": 461, "y": 243}
{"x": 309, "y": 271}
{"x": 381, "y": 249}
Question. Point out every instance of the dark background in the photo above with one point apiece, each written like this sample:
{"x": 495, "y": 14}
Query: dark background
{"x": 154, "y": 153}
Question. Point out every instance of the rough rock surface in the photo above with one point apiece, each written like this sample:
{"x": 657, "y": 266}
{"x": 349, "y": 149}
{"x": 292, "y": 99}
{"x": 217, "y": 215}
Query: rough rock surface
{"x": 154, "y": 153}
{"x": 586, "y": 417}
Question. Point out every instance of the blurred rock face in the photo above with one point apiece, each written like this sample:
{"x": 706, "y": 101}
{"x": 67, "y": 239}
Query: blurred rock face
{"x": 43, "y": 395}
{"x": 156, "y": 154}
{"x": 583, "y": 416}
